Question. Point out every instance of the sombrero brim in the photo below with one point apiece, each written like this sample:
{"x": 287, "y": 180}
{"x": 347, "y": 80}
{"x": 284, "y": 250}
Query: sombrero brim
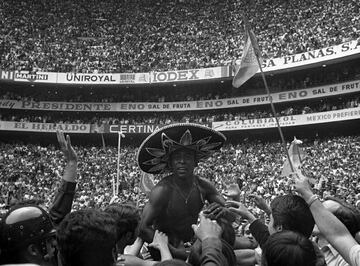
{"x": 153, "y": 154}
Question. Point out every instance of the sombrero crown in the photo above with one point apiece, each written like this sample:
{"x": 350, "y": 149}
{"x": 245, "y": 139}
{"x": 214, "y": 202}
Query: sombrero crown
{"x": 154, "y": 153}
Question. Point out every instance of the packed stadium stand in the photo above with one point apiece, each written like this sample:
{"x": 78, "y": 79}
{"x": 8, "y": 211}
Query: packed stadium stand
{"x": 93, "y": 68}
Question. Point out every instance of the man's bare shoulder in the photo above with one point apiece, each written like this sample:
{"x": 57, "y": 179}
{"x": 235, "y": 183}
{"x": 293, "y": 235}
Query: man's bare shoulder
{"x": 205, "y": 184}
{"x": 162, "y": 190}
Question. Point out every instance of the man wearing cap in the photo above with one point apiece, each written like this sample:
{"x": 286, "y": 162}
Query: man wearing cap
{"x": 27, "y": 231}
{"x": 176, "y": 201}
{"x": 28, "y": 236}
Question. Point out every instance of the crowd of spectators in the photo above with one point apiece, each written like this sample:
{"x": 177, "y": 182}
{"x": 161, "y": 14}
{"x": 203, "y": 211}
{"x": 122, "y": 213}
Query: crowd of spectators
{"x": 141, "y": 36}
{"x": 204, "y": 117}
{"x": 33, "y": 172}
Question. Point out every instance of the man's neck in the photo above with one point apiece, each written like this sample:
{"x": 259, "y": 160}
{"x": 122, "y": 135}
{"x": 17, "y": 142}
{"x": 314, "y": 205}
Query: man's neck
{"x": 184, "y": 183}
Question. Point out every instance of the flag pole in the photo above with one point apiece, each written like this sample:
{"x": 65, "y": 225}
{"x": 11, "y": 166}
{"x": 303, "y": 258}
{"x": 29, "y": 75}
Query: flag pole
{"x": 118, "y": 164}
{"x": 253, "y": 42}
{"x": 103, "y": 141}
{"x": 298, "y": 153}
{"x": 275, "y": 115}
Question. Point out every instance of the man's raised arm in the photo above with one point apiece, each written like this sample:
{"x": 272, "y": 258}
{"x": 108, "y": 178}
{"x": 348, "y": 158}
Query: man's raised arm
{"x": 65, "y": 195}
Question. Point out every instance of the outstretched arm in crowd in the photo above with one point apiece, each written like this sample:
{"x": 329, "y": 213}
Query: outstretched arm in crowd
{"x": 217, "y": 207}
{"x": 160, "y": 242}
{"x": 335, "y": 232}
{"x": 209, "y": 232}
{"x": 261, "y": 203}
{"x": 258, "y": 229}
{"x": 65, "y": 196}
{"x": 135, "y": 248}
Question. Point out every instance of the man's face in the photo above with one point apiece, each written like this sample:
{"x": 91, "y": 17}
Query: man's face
{"x": 183, "y": 162}
{"x": 331, "y": 206}
{"x": 52, "y": 252}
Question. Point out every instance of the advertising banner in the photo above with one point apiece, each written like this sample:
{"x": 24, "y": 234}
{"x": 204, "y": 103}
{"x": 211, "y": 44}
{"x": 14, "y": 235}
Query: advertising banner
{"x": 134, "y": 129}
{"x": 248, "y": 124}
{"x": 189, "y": 74}
{"x": 351, "y": 48}
{"x": 44, "y": 127}
{"x": 6, "y": 75}
{"x": 81, "y": 78}
{"x": 279, "y": 97}
{"x": 37, "y": 77}
{"x": 287, "y": 121}
{"x": 134, "y": 78}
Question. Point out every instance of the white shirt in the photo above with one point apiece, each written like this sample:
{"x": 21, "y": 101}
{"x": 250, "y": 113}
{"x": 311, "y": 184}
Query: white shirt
{"x": 332, "y": 257}
{"x": 355, "y": 255}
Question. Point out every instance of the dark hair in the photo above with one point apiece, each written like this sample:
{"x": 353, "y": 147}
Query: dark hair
{"x": 172, "y": 262}
{"x": 292, "y": 213}
{"x": 127, "y": 218}
{"x": 196, "y": 252}
{"x": 288, "y": 248}
{"x": 87, "y": 237}
{"x": 347, "y": 214}
{"x": 228, "y": 232}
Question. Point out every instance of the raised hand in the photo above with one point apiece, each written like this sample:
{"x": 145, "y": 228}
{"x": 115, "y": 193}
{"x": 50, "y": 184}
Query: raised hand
{"x": 302, "y": 185}
{"x": 240, "y": 209}
{"x": 260, "y": 203}
{"x": 215, "y": 211}
{"x": 65, "y": 146}
{"x": 207, "y": 228}
{"x": 160, "y": 240}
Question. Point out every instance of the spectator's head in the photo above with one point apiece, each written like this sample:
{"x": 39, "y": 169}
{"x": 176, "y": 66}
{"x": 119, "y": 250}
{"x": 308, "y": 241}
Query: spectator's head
{"x": 86, "y": 238}
{"x": 28, "y": 236}
{"x": 127, "y": 219}
{"x": 290, "y": 212}
{"x": 288, "y": 248}
{"x": 346, "y": 213}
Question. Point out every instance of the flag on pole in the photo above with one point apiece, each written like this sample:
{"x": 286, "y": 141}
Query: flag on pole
{"x": 146, "y": 183}
{"x": 248, "y": 65}
{"x": 103, "y": 141}
{"x": 120, "y": 135}
{"x": 296, "y": 155}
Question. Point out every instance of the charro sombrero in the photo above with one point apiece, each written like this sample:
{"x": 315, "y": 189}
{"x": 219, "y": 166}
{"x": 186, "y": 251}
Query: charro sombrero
{"x": 154, "y": 152}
